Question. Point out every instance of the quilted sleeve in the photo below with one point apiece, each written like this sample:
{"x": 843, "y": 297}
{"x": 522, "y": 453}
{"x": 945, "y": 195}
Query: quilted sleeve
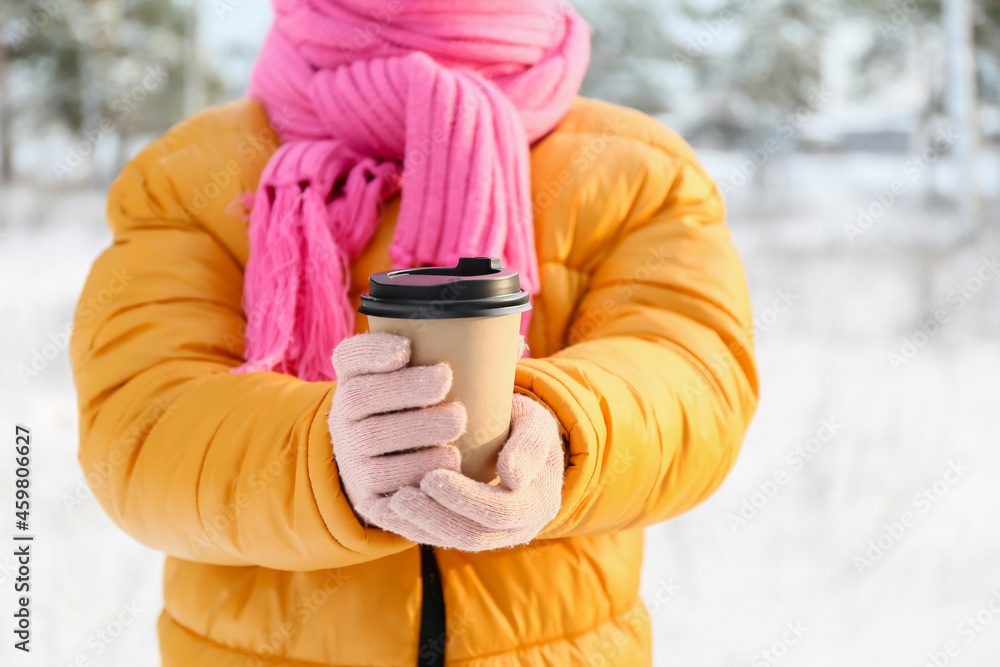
{"x": 654, "y": 383}
{"x": 186, "y": 457}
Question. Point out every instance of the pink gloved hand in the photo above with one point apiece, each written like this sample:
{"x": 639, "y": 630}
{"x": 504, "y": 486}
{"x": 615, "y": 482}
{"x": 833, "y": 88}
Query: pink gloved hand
{"x": 386, "y": 427}
{"x": 452, "y": 510}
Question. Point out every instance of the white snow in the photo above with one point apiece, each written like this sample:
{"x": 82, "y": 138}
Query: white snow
{"x": 84, "y": 569}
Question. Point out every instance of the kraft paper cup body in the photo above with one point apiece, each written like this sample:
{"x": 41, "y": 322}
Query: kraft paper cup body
{"x": 482, "y": 353}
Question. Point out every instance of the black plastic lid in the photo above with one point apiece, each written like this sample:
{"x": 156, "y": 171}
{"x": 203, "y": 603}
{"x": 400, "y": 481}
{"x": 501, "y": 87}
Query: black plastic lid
{"x": 477, "y": 287}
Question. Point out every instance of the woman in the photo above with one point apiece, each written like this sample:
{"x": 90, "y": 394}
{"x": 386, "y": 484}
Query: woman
{"x": 397, "y": 134}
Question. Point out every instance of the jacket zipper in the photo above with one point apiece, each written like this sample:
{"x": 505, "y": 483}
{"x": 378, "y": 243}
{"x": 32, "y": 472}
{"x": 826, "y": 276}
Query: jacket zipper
{"x": 432, "y": 624}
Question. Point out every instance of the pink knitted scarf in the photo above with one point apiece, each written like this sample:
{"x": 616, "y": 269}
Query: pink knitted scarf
{"x": 438, "y": 97}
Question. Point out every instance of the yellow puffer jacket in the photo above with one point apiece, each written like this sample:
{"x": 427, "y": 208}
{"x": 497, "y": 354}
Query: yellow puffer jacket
{"x": 641, "y": 344}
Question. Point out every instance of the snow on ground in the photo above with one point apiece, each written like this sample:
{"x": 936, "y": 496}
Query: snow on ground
{"x": 819, "y": 569}
{"x": 89, "y": 578}
{"x": 789, "y": 539}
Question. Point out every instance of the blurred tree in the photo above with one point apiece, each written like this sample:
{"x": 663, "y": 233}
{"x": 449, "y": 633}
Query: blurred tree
{"x": 195, "y": 86}
{"x": 759, "y": 61}
{"x": 630, "y": 46}
{"x": 968, "y": 35}
{"x": 5, "y": 126}
{"x": 897, "y": 28}
{"x": 105, "y": 70}
{"x": 134, "y": 50}
{"x": 748, "y": 63}
{"x": 40, "y": 45}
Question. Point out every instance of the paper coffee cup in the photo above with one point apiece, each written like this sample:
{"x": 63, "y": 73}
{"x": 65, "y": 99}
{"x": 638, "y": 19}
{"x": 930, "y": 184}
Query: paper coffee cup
{"x": 468, "y": 316}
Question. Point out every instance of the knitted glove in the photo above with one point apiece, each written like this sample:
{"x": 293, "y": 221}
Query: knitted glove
{"x": 451, "y": 510}
{"x": 384, "y": 431}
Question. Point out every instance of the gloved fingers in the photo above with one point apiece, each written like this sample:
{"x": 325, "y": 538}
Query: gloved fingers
{"x": 392, "y": 522}
{"x": 387, "y": 474}
{"x": 417, "y": 507}
{"x": 403, "y": 389}
{"x": 412, "y": 429}
{"x": 495, "y": 507}
{"x": 372, "y": 508}
{"x": 534, "y": 435}
{"x": 416, "y": 516}
{"x": 370, "y": 353}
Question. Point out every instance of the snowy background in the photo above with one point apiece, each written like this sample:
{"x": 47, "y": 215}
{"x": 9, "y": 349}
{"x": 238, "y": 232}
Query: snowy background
{"x": 879, "y": 374}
